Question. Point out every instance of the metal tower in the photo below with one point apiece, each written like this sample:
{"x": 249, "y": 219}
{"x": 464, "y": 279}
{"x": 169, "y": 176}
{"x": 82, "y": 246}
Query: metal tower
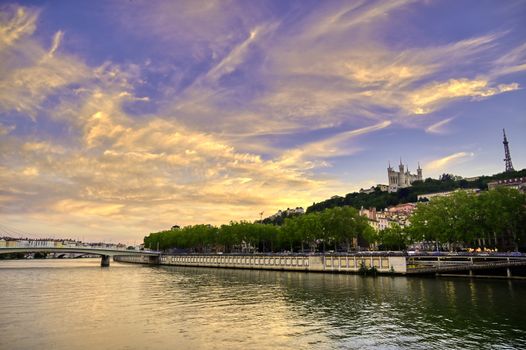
{"x": 507, "y": 157}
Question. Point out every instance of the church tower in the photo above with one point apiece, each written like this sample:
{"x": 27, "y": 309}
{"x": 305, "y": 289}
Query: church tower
{"x": 403, "y": 177}
{"x": 401, "y": 174}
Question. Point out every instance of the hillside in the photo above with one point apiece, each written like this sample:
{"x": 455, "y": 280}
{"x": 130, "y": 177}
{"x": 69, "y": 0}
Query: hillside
{"x": 381, "y": 200}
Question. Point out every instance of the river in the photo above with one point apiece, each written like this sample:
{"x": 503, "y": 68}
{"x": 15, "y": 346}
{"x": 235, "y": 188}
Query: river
{"x": 76, "y": 304}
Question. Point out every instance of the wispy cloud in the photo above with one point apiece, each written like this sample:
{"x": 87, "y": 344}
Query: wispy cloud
{"x": 334, "y": 146}
{"x": 439, "y": 127}
{"x": 57, "y": 38}
{"x": 29, "y": 74}
{"x": 430, "y": 97}
{"x": 16, "y": 23}
{"x": 443, "y": 164}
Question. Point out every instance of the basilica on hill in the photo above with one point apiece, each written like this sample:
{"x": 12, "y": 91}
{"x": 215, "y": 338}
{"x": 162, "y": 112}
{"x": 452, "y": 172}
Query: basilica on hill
{"x": 402, "y": 178}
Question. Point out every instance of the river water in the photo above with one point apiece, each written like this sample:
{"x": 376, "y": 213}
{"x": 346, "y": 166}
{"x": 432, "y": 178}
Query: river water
{"x": 75, "y": 304}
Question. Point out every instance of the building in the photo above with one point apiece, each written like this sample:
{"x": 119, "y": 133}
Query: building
{"x": 368, "y": 190}
{"x": 404, "y": 208}
{"x": 288, "y": 212}
{"x": 3, "y": 243}
{"x": 518, "y": 183}
{"x": 41, "y": 243}
{"x": 383, "y": 188}
{"x": 22, "y": 243}
{"x": 378, "y": 220}
{"x": 396, "y": 215}
{"x": 472, "y": 179}
{"x": 402, "y": 178}
{"x": 430, "y": 196}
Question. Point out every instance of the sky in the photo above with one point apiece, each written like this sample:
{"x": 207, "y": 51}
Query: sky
{"x": 120, "y": 118}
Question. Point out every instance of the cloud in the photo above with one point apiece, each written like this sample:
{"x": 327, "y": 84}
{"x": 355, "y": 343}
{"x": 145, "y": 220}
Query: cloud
{"x": 351, "y": 15}
{"x": 29, "y": 74}
{"x": 324, "y": 70}
{"x": 16, "y": 23}
{"x": 146, "y": 172}
{"x": 334, "y": 146}
{"x": 442, "y": 164}
{"x": 247, "y": 108}
{"x": 57, "y": 38}
{"x": 430, "y": 97}
{"x": 6, "y": 129}
{"x": 439, "y": 127}
{"x": 238, "y": 53}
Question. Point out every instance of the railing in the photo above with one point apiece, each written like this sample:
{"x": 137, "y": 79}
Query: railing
{"x": 423, "y": 264}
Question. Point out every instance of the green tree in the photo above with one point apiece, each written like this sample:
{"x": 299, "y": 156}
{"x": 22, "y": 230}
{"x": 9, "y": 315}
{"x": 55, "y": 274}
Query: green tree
{"x": 393, "y": 238}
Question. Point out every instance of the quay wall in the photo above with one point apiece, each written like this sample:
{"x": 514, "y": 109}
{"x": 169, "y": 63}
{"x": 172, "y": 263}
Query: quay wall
{"x": 313, "y": 263}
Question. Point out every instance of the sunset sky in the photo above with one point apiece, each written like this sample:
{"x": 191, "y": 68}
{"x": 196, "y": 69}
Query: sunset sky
{"x": 119, "y": 118}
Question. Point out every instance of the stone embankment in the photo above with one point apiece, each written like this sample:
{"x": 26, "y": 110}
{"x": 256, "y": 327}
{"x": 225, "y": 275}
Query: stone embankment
{"x": 314, "y": 263}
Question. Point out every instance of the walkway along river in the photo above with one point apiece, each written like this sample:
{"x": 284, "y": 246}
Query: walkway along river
{"x": 373, "y": 262}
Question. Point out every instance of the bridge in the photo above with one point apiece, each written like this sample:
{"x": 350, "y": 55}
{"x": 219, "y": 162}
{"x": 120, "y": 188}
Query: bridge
{"x": 105, "y": 253}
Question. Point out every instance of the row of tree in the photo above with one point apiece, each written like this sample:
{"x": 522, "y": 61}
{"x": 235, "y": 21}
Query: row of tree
{"x": 337, "y": 227}
{"x": 495, "y": 219}
{"x": 491, "y": 219}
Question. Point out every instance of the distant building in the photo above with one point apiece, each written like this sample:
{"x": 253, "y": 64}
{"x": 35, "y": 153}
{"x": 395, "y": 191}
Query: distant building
{"x": 396, "y": 215}
{"x": 11, "y": 244}
{"x": 430, "y": 196}
{"x": 402, "y": 178}
{"x": 69, "y": 244}
{"x": 405, "y": 208}
{"x": 22, "y": 243}
{"x": 378, "y": 220}
{"x": 518, "y": 183}
{"x": 471, "y": 179}
{"x": 3, "y": 243}
{"x": 41, "y": 243}
{"x": 383, "y": 188}
{"x": 288, "y": 212}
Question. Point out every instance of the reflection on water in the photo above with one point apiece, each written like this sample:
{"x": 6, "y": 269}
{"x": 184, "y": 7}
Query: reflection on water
{"x": 63, "y": 304}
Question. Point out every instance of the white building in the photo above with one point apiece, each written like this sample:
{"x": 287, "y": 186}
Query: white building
{"x": 41, "y": 244}
{"x": 517, "y": 183}
{"x": 430, "y": 196}
{"x": 402, "y": 178}
{"x": 22, "y": 243}
{"x": 2, "y": 243}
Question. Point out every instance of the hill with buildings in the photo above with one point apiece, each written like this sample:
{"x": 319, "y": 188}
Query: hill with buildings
{"x": 381, "y": 199}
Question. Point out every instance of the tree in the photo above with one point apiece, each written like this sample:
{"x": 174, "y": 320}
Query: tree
{"x": 503, "y": 213}
{"x": 393, "y": 238}
{"x": 469, "y": 219}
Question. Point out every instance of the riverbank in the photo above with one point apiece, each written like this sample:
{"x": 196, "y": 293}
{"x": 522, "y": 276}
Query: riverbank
{"x": 510, "y": 267}
{"x": 310, "y": 263}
